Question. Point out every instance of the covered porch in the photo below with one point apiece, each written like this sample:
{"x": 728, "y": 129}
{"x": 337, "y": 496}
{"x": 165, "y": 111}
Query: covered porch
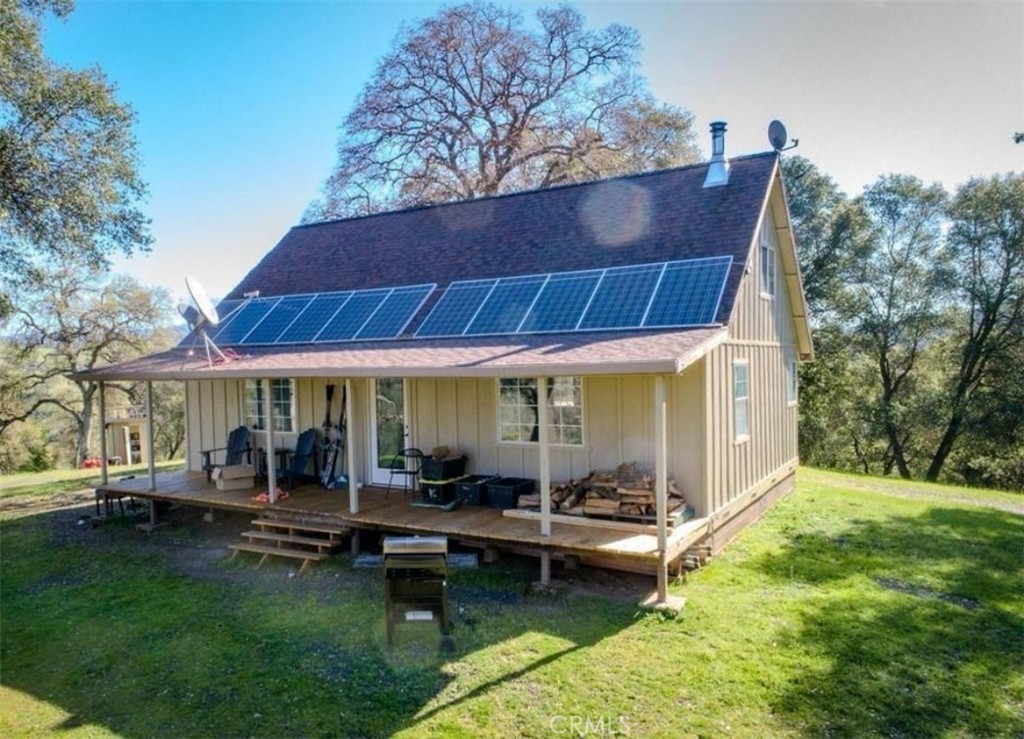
{"x": 592, "y": 542}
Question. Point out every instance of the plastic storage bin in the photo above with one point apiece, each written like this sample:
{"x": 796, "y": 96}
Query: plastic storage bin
{"x": 472, "y": 490}
{"x": 505, "y": 491}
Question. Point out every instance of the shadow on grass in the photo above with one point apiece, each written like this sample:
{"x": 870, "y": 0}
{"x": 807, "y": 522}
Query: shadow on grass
{"x": 919, "y": 630}
{"x": 99, "y": 624}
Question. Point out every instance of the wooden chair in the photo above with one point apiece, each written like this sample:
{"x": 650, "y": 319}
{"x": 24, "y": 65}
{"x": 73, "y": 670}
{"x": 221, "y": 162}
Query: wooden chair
{"x": 236, "y": 448}
{"x": 298, "y": 460}
{"x": 406, "y": 464}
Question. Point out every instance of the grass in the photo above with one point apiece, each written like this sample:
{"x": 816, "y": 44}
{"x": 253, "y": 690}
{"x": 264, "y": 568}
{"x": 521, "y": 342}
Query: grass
{"x": 847, "y": 611}
{"x": 63, "y": 481}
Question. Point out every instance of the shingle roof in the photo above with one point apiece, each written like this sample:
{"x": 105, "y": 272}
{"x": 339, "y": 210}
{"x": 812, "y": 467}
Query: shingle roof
{"x": 497, "y": 356}
{"x": 651, "y": 217}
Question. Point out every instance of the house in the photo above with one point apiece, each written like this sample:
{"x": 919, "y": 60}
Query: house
{"x": 663, "y": 312}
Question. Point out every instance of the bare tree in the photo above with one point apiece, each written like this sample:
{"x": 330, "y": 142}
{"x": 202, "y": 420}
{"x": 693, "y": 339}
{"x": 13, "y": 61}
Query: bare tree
{"x": 73, "y": 321}
{"x": 472, "y": 102}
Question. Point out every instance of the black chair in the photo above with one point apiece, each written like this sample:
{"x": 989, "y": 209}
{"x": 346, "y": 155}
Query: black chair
{"x": 407, "y": 464}
{"x": 236, "y": 448}
{"x": 298, "y": 460}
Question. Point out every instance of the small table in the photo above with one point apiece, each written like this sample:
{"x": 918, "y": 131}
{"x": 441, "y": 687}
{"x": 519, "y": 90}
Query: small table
{"x": 108, "y": 497}
{"x": 280, "y": 459}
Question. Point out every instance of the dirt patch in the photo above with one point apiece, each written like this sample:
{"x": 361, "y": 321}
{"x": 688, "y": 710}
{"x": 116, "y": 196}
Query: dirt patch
{"x": 920, "y": 591}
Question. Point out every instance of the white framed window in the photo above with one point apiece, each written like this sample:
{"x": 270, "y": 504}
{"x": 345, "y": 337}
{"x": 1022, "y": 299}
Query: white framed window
{"x": 768, "y": 250}
{"x": 792, "y": 381}
{"x": 517, "y": 410}
{"x": 282, "y": 395}
{"x": 741, "y": 399}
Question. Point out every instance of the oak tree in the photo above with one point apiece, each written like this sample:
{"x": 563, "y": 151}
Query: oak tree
{"x": 473, "y": 101}
{"x": 69, "y": 181}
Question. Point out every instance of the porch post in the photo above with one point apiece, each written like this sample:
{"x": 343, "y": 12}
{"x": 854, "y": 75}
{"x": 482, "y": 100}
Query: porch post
{"x": 545, "y": 476}
{"x": 350, "y": 449}
{"x": 104, "y": 478}
{"x": 661, "y": 482}
{"x": 545, "y": 456}
{"x": 268, "y": 405}
{"x": 150, "y": 434}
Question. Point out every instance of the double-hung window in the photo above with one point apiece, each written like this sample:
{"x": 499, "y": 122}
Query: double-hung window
{"x": 741, "y": 399}
{"x": 518, "y": 410}
{"x": 282, "y": 397}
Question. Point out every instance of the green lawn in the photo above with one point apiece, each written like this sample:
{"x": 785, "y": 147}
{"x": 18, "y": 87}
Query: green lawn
{"x": 847, "y": 611}
{"x": 61, "y": 481}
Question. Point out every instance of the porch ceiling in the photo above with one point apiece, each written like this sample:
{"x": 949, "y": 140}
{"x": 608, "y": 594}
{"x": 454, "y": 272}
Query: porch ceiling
{"x": 648, "y": 352}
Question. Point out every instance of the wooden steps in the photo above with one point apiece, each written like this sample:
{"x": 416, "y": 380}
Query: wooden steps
{"x": 275, "y": 537}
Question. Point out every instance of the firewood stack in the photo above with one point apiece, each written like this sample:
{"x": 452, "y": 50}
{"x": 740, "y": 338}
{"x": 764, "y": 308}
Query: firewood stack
{"x": 625, "y": 493}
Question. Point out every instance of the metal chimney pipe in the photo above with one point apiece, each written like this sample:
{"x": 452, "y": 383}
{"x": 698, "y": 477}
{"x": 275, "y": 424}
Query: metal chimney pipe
{"x": 718, "y": 168}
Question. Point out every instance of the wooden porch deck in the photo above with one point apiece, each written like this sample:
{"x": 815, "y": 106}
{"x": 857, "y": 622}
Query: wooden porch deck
{"x": 599, "y": 544}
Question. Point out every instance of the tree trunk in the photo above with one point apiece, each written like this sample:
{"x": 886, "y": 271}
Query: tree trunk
{"x": 945, "y": 447}
{"x": 84, "y": 422}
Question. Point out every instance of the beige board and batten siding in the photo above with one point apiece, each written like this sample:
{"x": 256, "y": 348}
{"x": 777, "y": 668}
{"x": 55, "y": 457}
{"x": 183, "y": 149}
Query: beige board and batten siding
{"x": 762, "y": 332}
{"x": 618, "y": 427}
{"x": 215, "y": 407}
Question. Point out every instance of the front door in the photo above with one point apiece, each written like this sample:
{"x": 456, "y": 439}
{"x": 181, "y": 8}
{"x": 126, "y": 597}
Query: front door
{"x": 389, "y": 428}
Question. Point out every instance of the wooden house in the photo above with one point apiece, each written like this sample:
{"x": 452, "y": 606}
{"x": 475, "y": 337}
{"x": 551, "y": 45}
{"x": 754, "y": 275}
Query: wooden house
{"x": 663, "y": 312}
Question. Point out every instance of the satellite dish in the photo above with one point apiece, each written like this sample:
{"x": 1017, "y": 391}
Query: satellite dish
{"x": 202, "y": 301}
{"x": 777, "y": 135}
{"x": 190, "y": 314}
{"x": 199, "y": 315}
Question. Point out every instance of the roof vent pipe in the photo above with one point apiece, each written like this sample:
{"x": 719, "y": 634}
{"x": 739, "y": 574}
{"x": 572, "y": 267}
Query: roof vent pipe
{"x": 718, "y": 169}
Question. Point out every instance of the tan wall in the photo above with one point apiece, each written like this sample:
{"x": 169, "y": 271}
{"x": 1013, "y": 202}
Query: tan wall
{"x": 618, "y": 427}
{"x": 215, "y": 407}
{"x": 762, "y": 332}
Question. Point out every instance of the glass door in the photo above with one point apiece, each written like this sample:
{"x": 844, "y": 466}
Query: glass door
{"x": 389, "y": 429}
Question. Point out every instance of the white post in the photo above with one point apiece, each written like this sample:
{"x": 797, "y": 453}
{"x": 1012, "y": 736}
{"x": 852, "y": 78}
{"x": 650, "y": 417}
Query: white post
{"x": 149, "y": 435}
{"x": 661, "y": 482}
{"x": 268, "y": 414}
{"x": 545, "y": 456}
{"x": 104, "y": 478}
{"x": 350, "y": 449}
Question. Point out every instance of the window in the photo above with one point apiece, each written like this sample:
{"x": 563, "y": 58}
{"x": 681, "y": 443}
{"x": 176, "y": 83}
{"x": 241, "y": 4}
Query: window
{"x": 740, "y": 399}
{"x": 517, "y": 410}
{"x": 768, "y": 259}
{"x": 282, "y": 395}
{"x": 792, "y": 381}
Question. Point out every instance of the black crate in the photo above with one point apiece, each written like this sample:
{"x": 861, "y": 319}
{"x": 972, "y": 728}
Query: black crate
{"x": 505, "y": 491}
{"x": 472, "y": 490}
{"x": 437, "y": 492}
{"x": 443, "y": 469}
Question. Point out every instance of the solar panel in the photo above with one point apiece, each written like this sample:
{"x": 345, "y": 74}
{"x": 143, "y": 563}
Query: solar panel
{"x": 308, "y": 324}
{"x": 621, "y": 299}
{"x": 346, "y": 322}
{"x": 242, "y": 322}
{"x": 395, "y": 312}
{"x": 506, "y": 306}
{"x": 456, "y": 308}
{"x": 689, "y": 293}
{"x": 277, "y": 320}
{"x": 561, "y": 302}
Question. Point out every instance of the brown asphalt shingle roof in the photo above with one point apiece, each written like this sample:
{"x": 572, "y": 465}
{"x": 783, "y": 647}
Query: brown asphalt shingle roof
{"x": 652, "y": 217}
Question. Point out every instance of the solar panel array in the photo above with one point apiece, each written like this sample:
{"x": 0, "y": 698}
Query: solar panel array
{"x": 668, "y": 294}
{"x": 353, "y": 315}
{"x": 664, "y": 295}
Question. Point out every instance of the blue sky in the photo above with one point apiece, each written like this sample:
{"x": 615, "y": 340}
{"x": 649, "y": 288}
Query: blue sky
{"x": 239, "y": 103}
